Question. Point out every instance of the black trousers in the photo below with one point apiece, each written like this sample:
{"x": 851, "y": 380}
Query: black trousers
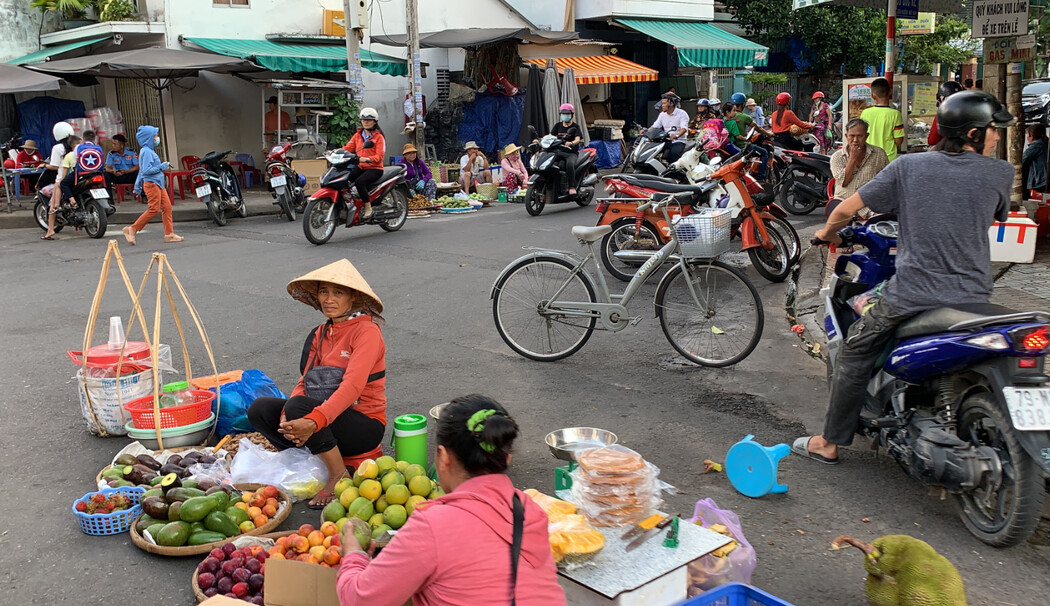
{"x": 567, "y": 160}
{"x": 364, "y": 179}
{"x": 353, "y": 432}
{"x": 786, "y": 141}
{"x": 125, "y": 179}
{"x": 67, "y": 185}
{"x": 46, "y": 178}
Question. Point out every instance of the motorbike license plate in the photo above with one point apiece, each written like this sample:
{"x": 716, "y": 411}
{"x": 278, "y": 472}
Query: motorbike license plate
{"x": 99, "y": 194}
{"x": 204, "y": 190}
{"x": 278, "y": 181}
{"x": 1029, "y": 407}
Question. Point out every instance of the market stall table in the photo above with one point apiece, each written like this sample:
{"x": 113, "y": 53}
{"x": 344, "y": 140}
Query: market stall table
{"x": 651, "y": 575}
{"x": 14, "y": 176}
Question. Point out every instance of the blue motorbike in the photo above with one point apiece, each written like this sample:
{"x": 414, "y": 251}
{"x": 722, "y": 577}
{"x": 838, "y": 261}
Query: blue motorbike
{"x": 959, "y": 399}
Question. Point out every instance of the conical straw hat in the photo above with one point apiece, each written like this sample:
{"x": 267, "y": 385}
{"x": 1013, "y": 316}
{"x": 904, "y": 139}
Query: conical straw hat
{"x": 342, "y": 272}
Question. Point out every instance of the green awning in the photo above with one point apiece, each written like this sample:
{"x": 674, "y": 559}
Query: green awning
{"x": 53, "y": 51}
{"x": 279, "y": 57}
{"x": 702, "y": 44}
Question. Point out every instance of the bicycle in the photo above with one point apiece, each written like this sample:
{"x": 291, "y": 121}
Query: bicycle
{"x": 545, "y": 304}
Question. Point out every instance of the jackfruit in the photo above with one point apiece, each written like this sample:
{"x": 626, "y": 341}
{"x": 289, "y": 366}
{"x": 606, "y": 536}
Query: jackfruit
{"x": 904, "y": 571}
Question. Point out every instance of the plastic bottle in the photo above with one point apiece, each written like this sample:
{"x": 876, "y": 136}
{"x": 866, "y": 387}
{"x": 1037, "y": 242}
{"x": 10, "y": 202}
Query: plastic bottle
{"x": 116, "y": 333}
{"x": 176, "y": 394}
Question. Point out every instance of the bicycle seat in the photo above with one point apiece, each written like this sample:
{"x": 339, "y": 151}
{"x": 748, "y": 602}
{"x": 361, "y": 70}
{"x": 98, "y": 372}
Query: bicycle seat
{"x": 591, "y": 234}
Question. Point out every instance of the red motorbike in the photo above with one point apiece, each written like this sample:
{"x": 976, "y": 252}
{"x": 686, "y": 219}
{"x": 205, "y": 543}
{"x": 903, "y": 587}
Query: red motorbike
{"x": 286, "y": 185}
{"x": 337, "y": 200}
{"x": 770, "y": 241}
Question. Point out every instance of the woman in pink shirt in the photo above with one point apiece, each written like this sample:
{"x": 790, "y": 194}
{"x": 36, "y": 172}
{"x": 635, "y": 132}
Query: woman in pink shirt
{"x": 457, "y": 549}
{"x": 513, "y": 169}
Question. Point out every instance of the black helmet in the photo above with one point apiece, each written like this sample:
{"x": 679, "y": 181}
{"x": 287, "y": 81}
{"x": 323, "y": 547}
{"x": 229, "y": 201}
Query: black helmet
{"x": 673, "y": 98}
{"x": 970, "y": 109}
{"x": 948, "y": 89}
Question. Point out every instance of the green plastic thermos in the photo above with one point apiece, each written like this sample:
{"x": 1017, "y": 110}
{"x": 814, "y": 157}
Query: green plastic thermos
{"x": 410, "y": 439}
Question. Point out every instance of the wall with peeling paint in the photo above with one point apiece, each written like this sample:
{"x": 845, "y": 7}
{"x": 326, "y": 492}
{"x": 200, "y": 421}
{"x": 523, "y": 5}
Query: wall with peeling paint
{"x": 19, "y": 29}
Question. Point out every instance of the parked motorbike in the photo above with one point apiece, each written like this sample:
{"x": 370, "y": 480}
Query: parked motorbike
{"x": 337, "y": 200}
{"x": 91, "y": 212}
{"x": 286, "y": 185}
{"x": 803, "y": 185}
{"x": 548, "y": 182}
{"x": 648, "y": 155}
{"x": 961, "y": 402}
{"x": 216, "y": 186}
{"x": 635, "y": 238}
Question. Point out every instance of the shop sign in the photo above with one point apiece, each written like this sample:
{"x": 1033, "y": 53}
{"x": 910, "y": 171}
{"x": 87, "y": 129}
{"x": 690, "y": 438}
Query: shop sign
{"x": 999, "y": 18}
{"x": 1006, "y": 50}
{"x": 907, "y": 9}
{"x": 924, "y": 24}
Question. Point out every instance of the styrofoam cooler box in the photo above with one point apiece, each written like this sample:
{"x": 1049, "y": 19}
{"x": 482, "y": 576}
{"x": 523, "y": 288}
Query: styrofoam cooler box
{"x": 1013, "y": 241}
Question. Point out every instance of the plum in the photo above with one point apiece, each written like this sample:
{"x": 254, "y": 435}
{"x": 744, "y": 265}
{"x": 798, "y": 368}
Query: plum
{"x": 210, "y": 564}
{"x": 224, "y": 585}
{"x": 257, "y": 600}
{"x": 228, "y": 548}
{"x": 237, "y": 561}
{"x": 256, "y": 581}
{"x": 218, "y": 554}
{"x": 262, "y": 556}
{"x": 241, "y": 575}
{"x": 228, "y": 567}
{"x": 211, "y": 591}
{"x": 253, "y": 565}
{"x": 240, "y": 589}
{"x": 205, "y": 580}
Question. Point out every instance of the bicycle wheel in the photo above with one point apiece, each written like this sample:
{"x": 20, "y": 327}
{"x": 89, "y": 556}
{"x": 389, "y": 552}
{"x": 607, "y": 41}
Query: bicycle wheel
{"x": 536, "y": 334}
{"x": 721, "y": 324}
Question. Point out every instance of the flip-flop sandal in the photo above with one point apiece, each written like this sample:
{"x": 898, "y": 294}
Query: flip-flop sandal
{"x": 801, "y": 448}
{"x": 48, "y": 238}
{"x": 329, "y": 495}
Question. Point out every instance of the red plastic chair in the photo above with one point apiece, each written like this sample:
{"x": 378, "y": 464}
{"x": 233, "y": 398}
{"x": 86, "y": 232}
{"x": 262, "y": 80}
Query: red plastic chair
{"x": 188, "y": 162}
{"x": 120, "y": 188}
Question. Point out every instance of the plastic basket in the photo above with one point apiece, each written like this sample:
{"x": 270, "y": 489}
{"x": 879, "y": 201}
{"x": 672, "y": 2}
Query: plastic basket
{"x": 141, "y": 411}
{"x": 103, "y": 524}
{"x": 703, "y": 235}
{"x": 735, "y": 594}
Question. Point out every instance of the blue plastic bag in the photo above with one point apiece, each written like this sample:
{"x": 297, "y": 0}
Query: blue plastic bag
{"x": 235, "y": 398}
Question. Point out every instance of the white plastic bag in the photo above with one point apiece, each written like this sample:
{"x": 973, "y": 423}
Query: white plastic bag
{"x": 295, "y": 470}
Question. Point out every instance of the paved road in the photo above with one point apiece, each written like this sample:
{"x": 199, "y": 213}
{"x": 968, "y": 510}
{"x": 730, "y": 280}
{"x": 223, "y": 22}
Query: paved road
{"x": 433, "y": 277}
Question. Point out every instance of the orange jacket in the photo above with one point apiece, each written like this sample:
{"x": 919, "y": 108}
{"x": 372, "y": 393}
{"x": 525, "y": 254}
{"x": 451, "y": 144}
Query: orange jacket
{"x": 789, "y": 119}
{"x": 356, "y": 345}
{"x": 372, "y": 157}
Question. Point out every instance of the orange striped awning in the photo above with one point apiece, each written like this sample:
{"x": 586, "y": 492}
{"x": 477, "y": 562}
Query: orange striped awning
{"x": 602, "y": 69}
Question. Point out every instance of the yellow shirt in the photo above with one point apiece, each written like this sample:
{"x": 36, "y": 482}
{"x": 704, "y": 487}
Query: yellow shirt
{"x": 70, "y": 161}
{"x": 884, "y": 125}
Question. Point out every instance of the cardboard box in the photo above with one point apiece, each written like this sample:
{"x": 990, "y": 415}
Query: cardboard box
{"x": 290, "y": 583}
{"x": 1013, "y": 241}
{"x": 312, "y": 170}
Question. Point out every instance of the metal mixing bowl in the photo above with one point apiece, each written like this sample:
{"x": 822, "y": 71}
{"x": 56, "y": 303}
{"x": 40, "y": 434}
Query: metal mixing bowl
{"x": 435, "y": 412}
{"x": 564, "y": 443}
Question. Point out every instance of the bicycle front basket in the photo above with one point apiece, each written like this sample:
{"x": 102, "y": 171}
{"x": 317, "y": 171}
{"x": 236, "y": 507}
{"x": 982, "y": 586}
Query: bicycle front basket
{"x": 704, "y": 235}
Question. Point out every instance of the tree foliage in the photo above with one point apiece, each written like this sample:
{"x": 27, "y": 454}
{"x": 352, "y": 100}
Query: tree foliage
{"x": 837, "y": 38}
{"x": 950, "y": 43}
{"x": 344, "y": 120}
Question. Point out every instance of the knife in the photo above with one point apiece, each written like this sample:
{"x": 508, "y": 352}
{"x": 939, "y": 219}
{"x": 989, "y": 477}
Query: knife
{"x": 650, "y": 533}
{"x": 644, "y": 525}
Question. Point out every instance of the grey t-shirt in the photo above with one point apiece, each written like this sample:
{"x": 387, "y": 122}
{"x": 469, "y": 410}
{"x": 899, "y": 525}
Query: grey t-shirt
{"x": 945, "y": 204}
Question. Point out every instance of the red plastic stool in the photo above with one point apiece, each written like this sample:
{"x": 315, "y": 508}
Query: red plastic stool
{"x": 356, "y": 460}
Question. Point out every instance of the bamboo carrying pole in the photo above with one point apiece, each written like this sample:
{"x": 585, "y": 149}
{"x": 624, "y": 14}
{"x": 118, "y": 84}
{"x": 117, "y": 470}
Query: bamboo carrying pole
{"x": 164, "y": 269}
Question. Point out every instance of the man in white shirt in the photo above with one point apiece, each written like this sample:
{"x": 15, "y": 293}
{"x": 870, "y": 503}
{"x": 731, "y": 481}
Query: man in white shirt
{"x": 674, "y": 121}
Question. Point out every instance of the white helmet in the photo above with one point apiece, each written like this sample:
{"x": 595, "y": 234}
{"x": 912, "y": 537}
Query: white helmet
{"x": 62, "y": 130}
{"x": 369, "y": 113}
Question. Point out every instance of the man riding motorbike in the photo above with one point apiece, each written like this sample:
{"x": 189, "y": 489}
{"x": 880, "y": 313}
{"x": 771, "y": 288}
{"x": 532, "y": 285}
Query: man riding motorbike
{"x": 745, "y": 122}
{"x": 675, "y": 122}
{"x": 942, "y": 249}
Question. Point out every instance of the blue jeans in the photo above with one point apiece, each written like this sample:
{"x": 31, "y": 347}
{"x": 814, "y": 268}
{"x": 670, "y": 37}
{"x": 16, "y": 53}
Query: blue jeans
{"x": 764, "y": 155}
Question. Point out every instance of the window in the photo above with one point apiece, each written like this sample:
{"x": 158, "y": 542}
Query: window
{"x": 229, "y": 2}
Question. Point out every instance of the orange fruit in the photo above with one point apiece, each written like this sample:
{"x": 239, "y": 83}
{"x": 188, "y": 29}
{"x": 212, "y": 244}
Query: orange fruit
{"x": 316, "y": 538}
{"x": 329, "y": 529}
{"x": 260, "y": 520}
{"x": 306, "y": 529}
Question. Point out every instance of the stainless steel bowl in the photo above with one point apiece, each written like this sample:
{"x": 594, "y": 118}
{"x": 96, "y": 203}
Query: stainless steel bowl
{"x": 565, "y": 443}
{"x": 435, "y": 412}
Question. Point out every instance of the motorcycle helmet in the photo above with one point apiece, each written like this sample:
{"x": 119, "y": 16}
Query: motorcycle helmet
{"x": 783, "y": 98}
{"x": 61, "y": 130}
{"x": 567, "y": 107}
{"x": 738, "y": 99}
{"x": 970, "y": 109}
{"x": 715, "y": 101}
{"x": 703, "y": 103}
{"x": 948, "y": 89}
{"x": 369, "y": 113}
{"x": 673, "y": 98}
{"x": 818, "y": 95}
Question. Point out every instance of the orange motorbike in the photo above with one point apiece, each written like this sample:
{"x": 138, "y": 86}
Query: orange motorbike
{"x": 770, "y": 241}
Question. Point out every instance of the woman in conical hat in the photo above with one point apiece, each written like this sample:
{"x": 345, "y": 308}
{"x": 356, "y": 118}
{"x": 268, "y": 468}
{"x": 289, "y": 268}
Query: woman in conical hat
{"x": 338, "y": 408}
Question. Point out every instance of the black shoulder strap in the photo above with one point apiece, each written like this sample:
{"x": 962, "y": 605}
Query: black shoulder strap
{"x": 304, "y": 359}
{"x": 515, "y": 547}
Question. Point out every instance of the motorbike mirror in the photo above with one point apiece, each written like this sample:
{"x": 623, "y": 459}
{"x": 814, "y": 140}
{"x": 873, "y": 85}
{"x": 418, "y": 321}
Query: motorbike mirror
{"x": 533, "y": 133}
{"x": 715, "y": 161}
{"x": 369, "y": 144}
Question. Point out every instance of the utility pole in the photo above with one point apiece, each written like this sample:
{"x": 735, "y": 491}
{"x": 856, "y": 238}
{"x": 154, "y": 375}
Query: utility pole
{"x": 353, "y": 50}
{"x": 415, "y": 78}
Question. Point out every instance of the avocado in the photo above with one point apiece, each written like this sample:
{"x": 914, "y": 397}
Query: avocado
{"x": 181, "y": 494}
{"x": 149, "y": 461}
{"x": 153, "y": 492}
{"x": 145, "y": 521}
{"x": 156, "y": 481}
{"x": 196, "y": 508}
{"x": 237, "y": 515}
{"x": 154, "y": 529}
{"x": 191, "y": 483}
{"x": 114, "y": 472}
{"x": 220, "y": 522}
{"x": 197, "y": 527}
{"x": 204, "y": 537}
{"x": 167, "y": 468}
{"x": 125, "y": 459}
{"x": 170, "y": 481}
{"x": 221, "y": 497}
{"x": 173, "y": 534}
{"x": 173, "y": 511}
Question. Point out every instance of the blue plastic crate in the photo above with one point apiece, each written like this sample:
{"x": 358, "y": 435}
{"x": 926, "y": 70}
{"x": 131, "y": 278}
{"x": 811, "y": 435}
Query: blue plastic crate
{"x": 102, "y": 524}
{"x": 735, "y": 594}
